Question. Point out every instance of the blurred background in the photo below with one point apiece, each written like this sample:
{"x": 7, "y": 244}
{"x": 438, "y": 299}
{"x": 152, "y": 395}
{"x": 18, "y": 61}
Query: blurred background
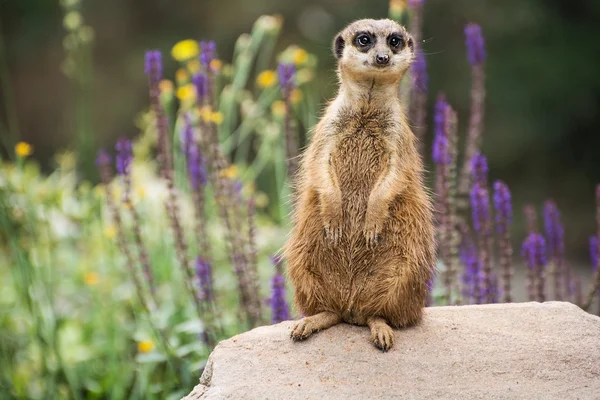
{"x": 106, "y": 295}
{"x": 543, "y": 89}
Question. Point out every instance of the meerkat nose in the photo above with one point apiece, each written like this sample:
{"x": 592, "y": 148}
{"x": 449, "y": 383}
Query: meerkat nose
{"x": 382, "y": 59}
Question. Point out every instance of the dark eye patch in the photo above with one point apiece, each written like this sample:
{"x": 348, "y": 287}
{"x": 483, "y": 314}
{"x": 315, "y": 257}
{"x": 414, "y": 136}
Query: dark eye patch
{"x": 364, "y": 41}
{"x": 396, "y": 42}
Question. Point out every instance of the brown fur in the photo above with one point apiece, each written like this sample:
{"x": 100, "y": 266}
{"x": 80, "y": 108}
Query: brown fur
{"x": 362, "y": 247}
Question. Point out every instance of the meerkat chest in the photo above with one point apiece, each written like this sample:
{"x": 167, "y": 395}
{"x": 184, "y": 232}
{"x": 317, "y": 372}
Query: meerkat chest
{"x": 359, "y": 158}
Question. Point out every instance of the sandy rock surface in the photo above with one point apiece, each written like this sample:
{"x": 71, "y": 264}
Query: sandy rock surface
{"x": 500, "y": 351}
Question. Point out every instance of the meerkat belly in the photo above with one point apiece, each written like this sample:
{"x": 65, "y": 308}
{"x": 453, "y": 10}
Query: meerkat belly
{"x": 358, "y": 164}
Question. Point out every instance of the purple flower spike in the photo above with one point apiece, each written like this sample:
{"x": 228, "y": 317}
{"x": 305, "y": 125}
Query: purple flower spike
{"x": 502, "y": 203}
{"x": 195, "y": 161}
{"x": 103, "y": 158}
{"x": 479, "y": 169}
{"x": 594, "y": 251}
{"x": 124, "y": 156}
{"x": 415, "y": 3}
{"x": 286, "y": 74}
{"x": 475, "y": 44}
{"x": 534, "y": 251}
{"x": 554, "y": 229}
{"x": 470, "y": 277}
{"x": 440, "y": 142}
{"x": 480, "y": 207}
{"x": 208, "y": 52}
{"x": 154, "y": 68}
{"x": 441, "y": 148}
{"x": 419, "y": 71}
{"x": 440, "y": 115}
{"x": 204, "y": 276}
{"x": 279, "y": 307}
{"x": 200, "y": 80}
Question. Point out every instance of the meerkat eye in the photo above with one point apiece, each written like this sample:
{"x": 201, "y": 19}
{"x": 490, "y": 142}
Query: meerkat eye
{"x": 395, "y": 41}
{"x": 363, "y": 40}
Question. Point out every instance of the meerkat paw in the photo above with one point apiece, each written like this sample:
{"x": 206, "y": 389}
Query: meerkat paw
{"x": 382, "y": 335}
{"x": 333, "y": 229}
{"x": 372, "y": 234}
{"x": 308, "y": 325}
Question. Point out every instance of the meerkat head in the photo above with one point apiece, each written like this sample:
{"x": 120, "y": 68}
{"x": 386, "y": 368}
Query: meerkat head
{"x": 370, "y": 48}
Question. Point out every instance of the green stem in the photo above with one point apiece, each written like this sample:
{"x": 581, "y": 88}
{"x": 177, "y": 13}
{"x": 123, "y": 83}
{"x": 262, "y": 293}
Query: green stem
{"x": 13, "y": 133}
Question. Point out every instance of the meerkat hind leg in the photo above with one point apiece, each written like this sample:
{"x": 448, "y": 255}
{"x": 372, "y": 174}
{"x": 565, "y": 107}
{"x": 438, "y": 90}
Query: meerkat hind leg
{"x": 314, "y": 323}
{"x": 382, "y": 335}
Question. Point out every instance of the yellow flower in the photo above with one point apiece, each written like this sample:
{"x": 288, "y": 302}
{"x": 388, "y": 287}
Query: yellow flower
{"x": 23, "y": 149}
{"x": 296, "y": 96}
{"x": 397, "y": 8}
{"x": 187, "y": 92}
{"x": 66, "y": 160}
{"x": 205, "y": 112}
{"x": 300, "y": 56}
{"x": 185, "y": 50}
{"x": 141, "y": 192}
{"x": 194, "y": 66}
{"x": 217, "y": 118}
{"x": 91, "y": 278}
{"x": 182, "y": 76}
{"x": 278, "y": 108}
{"x": 261, "y": 200}
{"x": 110, "y": 231}
{"x": 208, "y": 115}
{"x": 166, "y": 86}
{"x": 230, "y": 172}
{"x": 216, "y": 65}
{"x": 145, "y": 346}
{"x": 266, "y": 79}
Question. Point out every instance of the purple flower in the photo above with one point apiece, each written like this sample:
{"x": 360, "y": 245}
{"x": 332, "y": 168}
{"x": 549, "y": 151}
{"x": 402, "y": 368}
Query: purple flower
{"x": 594, "y": 251}
{"x": 153, "y": 67}
{"x": 204, "y": 276}
{"x": 208, "y": 52}
{"x": 440, "y": 115}
{"x": 502, "y": 203}
{"x": 480, "y": 208}
{"x": 238, "y": 186}
{"x": 470, "y": 276}
{"x": 279, "y": 307}
{"x": 554, "y": 228}
{"x": 195, "y": 161}
{"x": 286, "y": 74}
{"x": 419, "y": 71}
{"x": 475, "y": 44}
{"x": 441, "y": 153}
{"x": 415, "y": 3}
{"x": 124, "y": 156}
{"x": 441, "y": 146}
{"x": 534, "y": 251}
{"x": 103, "y": 158}
{"x": 479, "y": 169}
{"x": 200, "y": 80}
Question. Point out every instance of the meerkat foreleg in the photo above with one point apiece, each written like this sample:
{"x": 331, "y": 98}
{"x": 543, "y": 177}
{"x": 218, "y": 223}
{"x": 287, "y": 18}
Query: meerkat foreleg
{"x": 382, "y": 335}
{"x": 387, "y": 187}
{"x": 314, "y": 323}
{"x": 330, "y": 199}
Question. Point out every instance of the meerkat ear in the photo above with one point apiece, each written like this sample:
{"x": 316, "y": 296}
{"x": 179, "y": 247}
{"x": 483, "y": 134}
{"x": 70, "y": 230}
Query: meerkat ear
{"x": 338, "y": 46}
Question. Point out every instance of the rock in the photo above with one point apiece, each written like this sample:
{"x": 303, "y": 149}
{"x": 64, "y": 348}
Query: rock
{"x": 498, "y": 351}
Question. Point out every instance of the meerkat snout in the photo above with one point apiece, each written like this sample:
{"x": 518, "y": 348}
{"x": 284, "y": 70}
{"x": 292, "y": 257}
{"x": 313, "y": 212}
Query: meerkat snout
{"x": 382, "y": 59}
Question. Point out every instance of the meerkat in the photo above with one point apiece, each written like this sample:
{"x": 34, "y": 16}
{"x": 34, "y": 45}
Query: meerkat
{"x": 362, "y": 247}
